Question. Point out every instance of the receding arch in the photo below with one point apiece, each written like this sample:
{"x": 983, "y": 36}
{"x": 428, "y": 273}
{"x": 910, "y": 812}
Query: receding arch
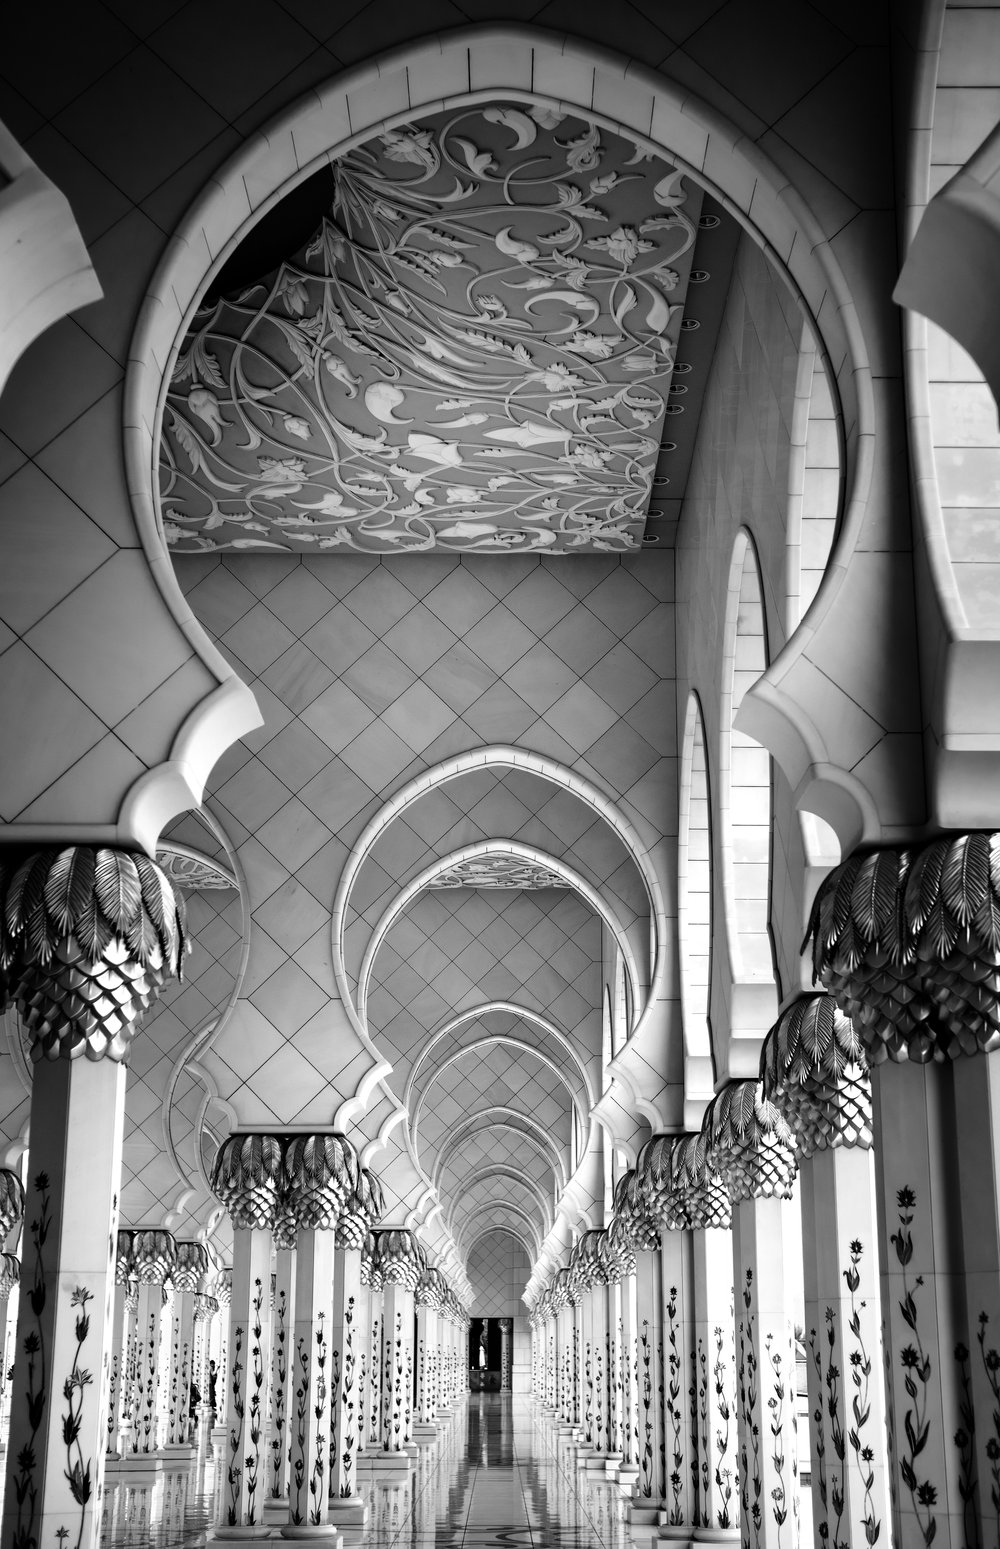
{"x": 471, "y": 1048}
{"x": 501, "y": 1118}
{"x": 509, "y": 1008}
{"x": 507, "y": 1230}
{"x": 444, "y": 863}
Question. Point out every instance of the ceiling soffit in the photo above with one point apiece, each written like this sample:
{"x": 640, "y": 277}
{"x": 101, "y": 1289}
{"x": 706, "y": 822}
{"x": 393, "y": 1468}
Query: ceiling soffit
{"x": 473, "y": 352}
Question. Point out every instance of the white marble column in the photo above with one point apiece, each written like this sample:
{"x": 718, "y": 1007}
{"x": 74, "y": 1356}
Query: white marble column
{"x": 189, "y": 1267}
{"x": 401, "y": 1262}
{"x": 122, "y": 1343}
{"x": 751, "y": 1147}
{"x": 347, "y": 1338}
{"x": 153, "y": 1253}
{"x": 249, "y": 1179}
{"x": 281, "y": 1363}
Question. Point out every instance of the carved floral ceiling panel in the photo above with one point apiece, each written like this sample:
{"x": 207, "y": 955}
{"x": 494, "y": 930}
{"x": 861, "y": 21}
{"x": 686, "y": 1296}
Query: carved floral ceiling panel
{"x": 474, "y": 352}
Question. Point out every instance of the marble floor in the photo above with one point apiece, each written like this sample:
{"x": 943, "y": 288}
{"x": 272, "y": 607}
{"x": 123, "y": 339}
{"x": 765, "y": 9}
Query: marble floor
{"x": 491, "y": 1481}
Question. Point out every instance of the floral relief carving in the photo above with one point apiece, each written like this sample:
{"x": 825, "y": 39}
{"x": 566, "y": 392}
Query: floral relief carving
{"x": 674, "y": 1413}
{"x": 473, "y": 352}
{"x": 917, "y": 1369}
{"x": 278, "y": 1443}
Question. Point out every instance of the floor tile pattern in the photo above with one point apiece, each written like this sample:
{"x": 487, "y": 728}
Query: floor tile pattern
{"x": 491, "y": 1481}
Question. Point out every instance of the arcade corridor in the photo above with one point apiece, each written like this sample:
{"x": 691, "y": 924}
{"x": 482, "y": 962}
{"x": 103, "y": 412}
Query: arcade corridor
{"x": 492, "y": 1479}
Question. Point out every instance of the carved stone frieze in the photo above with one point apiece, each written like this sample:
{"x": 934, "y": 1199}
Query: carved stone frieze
{"x": 498, "y": 871}
{"x": 190, "y": 869}
{"x": 474, "y": 351}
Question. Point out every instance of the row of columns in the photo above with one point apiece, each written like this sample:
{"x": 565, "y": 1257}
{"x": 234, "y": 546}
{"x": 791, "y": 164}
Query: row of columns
{"x": 665, "y": 1347}
{"x": 884, "y": 1097}
{"x": 112, "y": 1327}
{"x": 362, "y": 1354}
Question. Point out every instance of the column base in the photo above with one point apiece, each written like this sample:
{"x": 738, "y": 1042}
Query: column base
{"x": 178, "y": 1452}
{"x": 424, "y": 1435}
{"x": 325, "y": 1533}
{"x": 715, "y": 1535}
{"x": 276, "y": 1510}
{"x": 628, "y": 1475}
{"x": 239, "y": 1537}
{"x": 137, "y": 1463}
{"x": 218, "y": 1435}
{"x": 596, "y": 1463}
{"x": 390, "y": 1462}
{"x": 351, "y": 1513}
{"x": 645, "y": 1513}
{"x": 674, "y": 1533}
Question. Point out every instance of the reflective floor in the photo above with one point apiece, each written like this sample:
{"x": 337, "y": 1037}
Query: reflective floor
{"x": 491, "y": 1480}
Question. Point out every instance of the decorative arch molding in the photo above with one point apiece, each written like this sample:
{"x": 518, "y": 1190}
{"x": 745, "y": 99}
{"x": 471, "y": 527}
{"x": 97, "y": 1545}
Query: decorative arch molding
{"x": 525, "y": 64}
{"x": 538, "y": 1229}
{"x": 496, "y": 757}
{"x": 471, "y": 1048}
{"x": 524, "y": 852}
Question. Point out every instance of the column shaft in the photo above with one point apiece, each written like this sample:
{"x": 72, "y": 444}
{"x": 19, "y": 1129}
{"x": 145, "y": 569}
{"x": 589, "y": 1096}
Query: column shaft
{"x": 766, "y": 1376}
{"x": 346, "y": 1334}
{"x": 281, "y": 1346}
{"x": 181, "y": 1367}
{"x": 678, "y": 1340}
{"x": 55, "y": 1455}
{"x": 397, "y": 1366}
{"x": 247, "y": 1358}
{"x": 843, "y": 1335}
{"x": 717, "y": 1499}
{"x": 651, "y": 1485}
{"x": 309, "y": 1487}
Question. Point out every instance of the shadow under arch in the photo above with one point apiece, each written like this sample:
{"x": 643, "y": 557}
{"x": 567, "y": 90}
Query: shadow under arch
{"x": 530, "y": 65}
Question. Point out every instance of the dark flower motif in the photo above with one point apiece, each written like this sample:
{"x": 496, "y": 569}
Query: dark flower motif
{"x": 905, "y": 1198}
{"x": 909, "y": 1357}
{"x": 857, "y": 1248}
{"x": 927, "y": 1494}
